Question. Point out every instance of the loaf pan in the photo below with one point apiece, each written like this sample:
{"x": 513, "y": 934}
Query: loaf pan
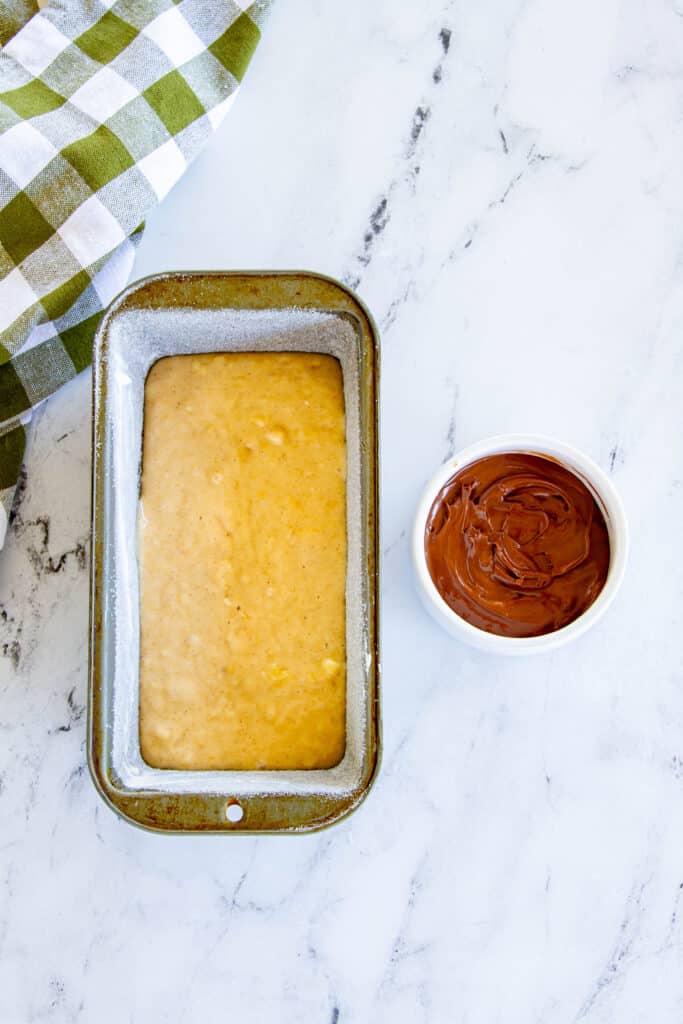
{"x": 173, "y": 314}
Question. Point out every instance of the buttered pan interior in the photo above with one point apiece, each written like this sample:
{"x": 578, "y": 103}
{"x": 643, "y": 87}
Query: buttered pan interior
{"x": 243, "y": 551}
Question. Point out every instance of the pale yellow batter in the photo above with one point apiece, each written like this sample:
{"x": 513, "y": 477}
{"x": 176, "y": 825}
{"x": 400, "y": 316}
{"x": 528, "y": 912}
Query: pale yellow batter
{"x": 243, "y": 562}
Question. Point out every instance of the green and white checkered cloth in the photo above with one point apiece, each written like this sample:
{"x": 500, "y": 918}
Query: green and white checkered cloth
{"x": 103, "y": 104}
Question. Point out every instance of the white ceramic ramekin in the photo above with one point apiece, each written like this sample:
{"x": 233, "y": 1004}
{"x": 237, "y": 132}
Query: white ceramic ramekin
{"x": 608, "y": 500}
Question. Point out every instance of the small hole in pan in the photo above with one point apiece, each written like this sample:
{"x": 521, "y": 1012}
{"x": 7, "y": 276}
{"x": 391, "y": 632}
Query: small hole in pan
{"x": 234, "y": 811}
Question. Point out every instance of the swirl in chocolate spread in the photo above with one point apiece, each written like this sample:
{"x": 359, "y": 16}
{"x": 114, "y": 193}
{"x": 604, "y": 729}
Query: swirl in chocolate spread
{"x": 517, "y": 545}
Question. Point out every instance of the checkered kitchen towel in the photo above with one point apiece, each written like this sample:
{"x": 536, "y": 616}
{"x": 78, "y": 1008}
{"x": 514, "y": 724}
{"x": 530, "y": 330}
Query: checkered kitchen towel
{"x": 103, "y": 103}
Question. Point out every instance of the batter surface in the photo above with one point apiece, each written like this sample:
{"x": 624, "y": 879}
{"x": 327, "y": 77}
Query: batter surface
{"x": 243, "y": 562}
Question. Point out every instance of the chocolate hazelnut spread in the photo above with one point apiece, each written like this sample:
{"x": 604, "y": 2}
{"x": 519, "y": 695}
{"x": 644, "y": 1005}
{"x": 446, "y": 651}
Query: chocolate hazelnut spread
{"x": 517, "y": 545}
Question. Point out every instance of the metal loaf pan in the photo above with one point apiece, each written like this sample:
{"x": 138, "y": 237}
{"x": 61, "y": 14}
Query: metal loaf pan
{"x": 224, "y": 312}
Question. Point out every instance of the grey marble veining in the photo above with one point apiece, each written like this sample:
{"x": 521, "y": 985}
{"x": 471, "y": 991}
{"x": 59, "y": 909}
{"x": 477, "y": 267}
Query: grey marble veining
{"x": 502, "y": 184}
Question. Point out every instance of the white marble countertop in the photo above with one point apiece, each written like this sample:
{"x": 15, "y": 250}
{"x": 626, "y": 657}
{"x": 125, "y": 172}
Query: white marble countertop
{"x": 502, "y": 183}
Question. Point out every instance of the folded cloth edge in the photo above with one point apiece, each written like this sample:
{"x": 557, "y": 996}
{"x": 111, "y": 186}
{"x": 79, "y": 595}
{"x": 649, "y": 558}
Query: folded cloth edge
{"x": 200, "y": 61}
